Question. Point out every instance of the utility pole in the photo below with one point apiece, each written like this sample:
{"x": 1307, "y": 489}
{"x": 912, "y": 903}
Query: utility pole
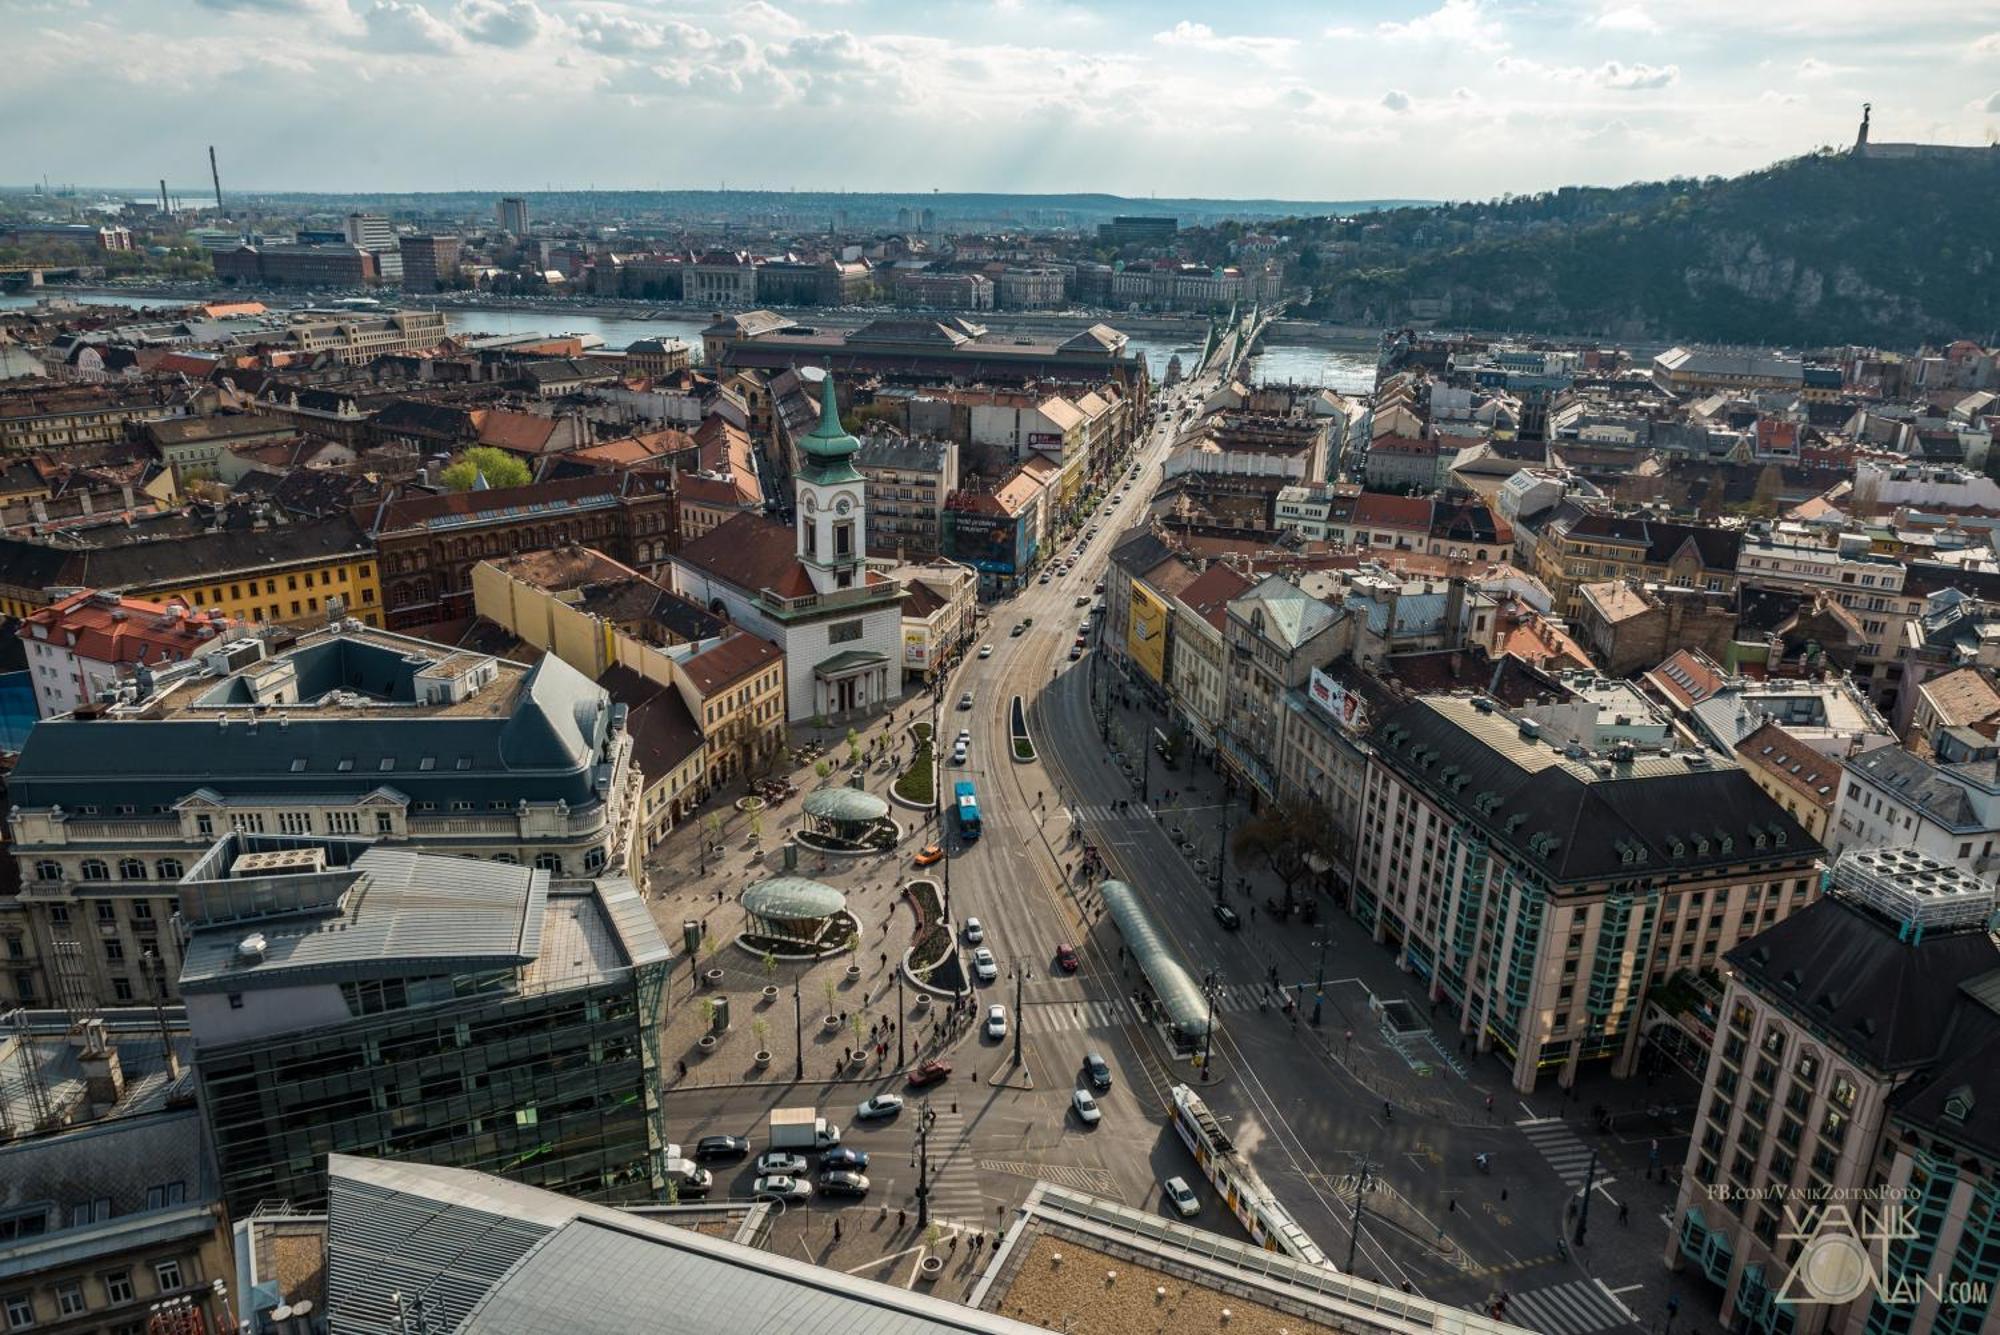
{"x": 798, "y": 1031}
{"x": 901, "y": 1014}
{"x": 1583, "y": 1209}
{"x": 1222, "y": 846}
{"x": 1363, "y": 1179}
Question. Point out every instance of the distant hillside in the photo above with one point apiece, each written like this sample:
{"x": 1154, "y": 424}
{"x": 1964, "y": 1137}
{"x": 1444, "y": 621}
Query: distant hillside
{"x": 1820, "y": 250}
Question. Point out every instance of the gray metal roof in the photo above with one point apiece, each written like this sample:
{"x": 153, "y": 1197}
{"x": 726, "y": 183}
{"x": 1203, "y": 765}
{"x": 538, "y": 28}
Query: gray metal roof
{"x": 490, "y": 1256}
{"x": 844, "y": 804}
{"x": 793, "y": 897}
{"x": 1179, "y": 993}
{"x": 406, "y": 913}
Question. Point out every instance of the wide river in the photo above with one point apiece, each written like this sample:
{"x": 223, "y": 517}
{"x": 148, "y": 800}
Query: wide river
{"x": 1294, "y": 363}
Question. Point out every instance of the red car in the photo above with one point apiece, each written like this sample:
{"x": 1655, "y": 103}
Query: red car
{"x": 1066, "y": 958}
{"x": 929, "y": 1074}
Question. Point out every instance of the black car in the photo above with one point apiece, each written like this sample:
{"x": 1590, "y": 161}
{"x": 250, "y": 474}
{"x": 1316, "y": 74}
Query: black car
{"x": 1227, "y": 917}
{"x": 721, "y": 1147}
{"x": 1099, "y": 1070}
{"x": 842, "y": 1184}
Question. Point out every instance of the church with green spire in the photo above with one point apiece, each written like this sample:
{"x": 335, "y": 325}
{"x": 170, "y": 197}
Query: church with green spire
{"x": 806, "y": 587}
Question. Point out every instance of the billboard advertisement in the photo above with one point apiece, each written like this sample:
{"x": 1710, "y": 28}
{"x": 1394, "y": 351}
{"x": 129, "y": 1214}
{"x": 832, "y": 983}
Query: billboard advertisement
{"x": 1146, "y": 633}
{"x": 916, "y": 649}
{"x": 987, "y": 542}
{"x": 1335, "y": 699}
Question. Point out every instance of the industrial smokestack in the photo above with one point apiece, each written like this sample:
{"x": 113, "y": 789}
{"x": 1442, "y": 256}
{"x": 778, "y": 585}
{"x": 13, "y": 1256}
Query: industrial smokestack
{"x": 216, "y": 176}
{"x": 163, "y": 194}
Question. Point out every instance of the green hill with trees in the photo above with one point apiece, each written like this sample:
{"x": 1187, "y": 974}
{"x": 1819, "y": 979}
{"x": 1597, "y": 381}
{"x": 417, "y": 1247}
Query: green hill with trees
{"x": 1820, "y": 250}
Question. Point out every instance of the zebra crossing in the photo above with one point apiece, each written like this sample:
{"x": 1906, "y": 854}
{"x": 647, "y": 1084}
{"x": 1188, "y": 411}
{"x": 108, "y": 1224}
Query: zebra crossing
{"x": 1057, "y": 1016}
{"x": 954, "y": 1177}
{"x": 1568, "y": 1156}
{"x": 1576, "y": 1308}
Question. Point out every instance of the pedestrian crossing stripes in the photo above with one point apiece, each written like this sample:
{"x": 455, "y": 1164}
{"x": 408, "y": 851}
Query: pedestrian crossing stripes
{"x": 1558, "y": 1144}
{"x": 1059, "y": 1016}
{"x": 954, "y": 1176}
{"x": 1576, "y": 1308}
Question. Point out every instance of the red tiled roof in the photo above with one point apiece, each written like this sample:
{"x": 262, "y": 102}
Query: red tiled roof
{"x": 1687, "y": 677}
{"x": 127, "y": 630}
{"x": 751, "y": 552}
{"x": 520, "y": 432}
{"x": 415, "y": 511}
{"x": 1410, "y": 512}
{"x": 1805, "y": 771}
{"x": 1208, "y": 596}
{"x": 740, "y": 655}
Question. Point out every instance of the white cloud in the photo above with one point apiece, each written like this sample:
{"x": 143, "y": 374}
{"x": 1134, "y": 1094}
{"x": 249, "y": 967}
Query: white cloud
{"x": 405, "y": 26}
{"x": 1776, "y": 98}
{"x": 617, "y": 34}
{"x": 1814, "y": 68}
{"x": 1626, "y": 18}
{"x": 1396, "y": 100}
{"x": 1201, "y": 37}
{"x": 1989, "y": 45}
{"x": 767, "y": 20}
{"x": 1635, "y": 78}
{"x": 509, "y": 23}
{"x": 1467, "y": 23}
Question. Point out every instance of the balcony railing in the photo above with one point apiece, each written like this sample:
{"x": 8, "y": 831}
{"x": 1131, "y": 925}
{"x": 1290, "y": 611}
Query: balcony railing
{"x": 807, "y": 602}
{"x": 120, "y": 831}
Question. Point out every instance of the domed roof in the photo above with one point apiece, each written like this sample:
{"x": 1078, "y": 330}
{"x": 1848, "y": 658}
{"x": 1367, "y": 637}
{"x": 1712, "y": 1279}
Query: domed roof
{"x": 793, "y": 897}
{"x": 844, "y": 804}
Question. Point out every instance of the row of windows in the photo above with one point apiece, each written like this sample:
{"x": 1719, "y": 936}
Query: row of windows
{"x": 71, "y": 1300}
{"x": 97, "y": 869}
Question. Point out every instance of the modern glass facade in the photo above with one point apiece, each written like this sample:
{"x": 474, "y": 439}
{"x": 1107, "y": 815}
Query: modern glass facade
{"x": 556, "y": 1089}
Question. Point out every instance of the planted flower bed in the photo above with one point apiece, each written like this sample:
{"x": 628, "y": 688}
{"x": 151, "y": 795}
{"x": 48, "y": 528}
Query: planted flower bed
{"x": 1017, "y": 727}
{"x": 918, "y": 783}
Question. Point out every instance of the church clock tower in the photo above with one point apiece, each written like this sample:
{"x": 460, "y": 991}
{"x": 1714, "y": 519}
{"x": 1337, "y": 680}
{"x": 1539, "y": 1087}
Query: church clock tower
{"x": 832, "y": 529}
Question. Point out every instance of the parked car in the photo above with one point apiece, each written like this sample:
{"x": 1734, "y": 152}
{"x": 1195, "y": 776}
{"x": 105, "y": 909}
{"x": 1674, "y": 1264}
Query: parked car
{"x": 1181, "y": 1196}
{"x": 1086, "y": 1107}
{"x": 1227, "y": 917}
{"x": 930, "y": 1073}
{"x": 777, "y": 1163}
{"x": 996, "y": 1021}
{"x": 929, "y": 854}
{"x": 721, "y": 1147}
{"x": 781, "y": 1188}
{"x": 984, "y": 967}
{"x": 878, "y": 1106}
{"x": 1097, "y": 1069}
{"x": 843, "y": 1183}
{"x": 986, "y": 651}
{"x": 974, "y": 932}
{"x": 1066, "y": 957}
{"x": 844, "y": 1158}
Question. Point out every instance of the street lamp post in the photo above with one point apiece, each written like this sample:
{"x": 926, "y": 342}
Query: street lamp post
{"x": 1319, "y": 981}
{"x": 924, "y": 1120}
{"x": 1209, "y": 983}
{"x": 1583, "y": 1208}
{"x": 798, "y": 1030}
{"x": 1363, "y": 1179}
{"x": 1222, "y": 846}
{"x": 902, "y": 1014}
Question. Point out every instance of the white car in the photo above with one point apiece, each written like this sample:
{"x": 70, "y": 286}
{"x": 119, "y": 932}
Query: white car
{"x": 958, "y": 753}
{"x": 880, "y": 1105}
{"x": 779, "y": 1187}
{"x": 964, "y": 737}
{"x": 996, "y": 1021}
{"x": 1086, "y": 1107}
{"x": 984, "y": 967}
{"x": 780, "y": 1164}
{"x": 975, "y": 931}
{"x": 1179, "y": 1195}
{"x": 986, "y": 651}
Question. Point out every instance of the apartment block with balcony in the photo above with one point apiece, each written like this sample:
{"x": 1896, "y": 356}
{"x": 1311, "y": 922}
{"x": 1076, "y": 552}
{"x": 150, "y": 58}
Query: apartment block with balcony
{"x": 908, "y": 481}
{"x": 1275, "y": 636}
{"x": 347, "y": 732}
{"x": 1853, "y": 1062}
{"x": 1542, "y": 889}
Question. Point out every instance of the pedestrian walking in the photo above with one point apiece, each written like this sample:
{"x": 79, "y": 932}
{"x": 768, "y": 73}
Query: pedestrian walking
{"x": 836, "y": 1230}
{"x": 1624, "y": 1213}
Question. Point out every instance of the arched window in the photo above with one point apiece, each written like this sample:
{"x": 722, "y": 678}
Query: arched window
{"x": 549, "y": 862}
{"x": 131, "y": 869}
{"x": 168, "y": 869}
{"x": 95, "y": 870}
{"x": 48, "y": 869}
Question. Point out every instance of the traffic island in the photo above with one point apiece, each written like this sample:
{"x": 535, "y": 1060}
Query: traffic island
{"x": 1017, "y": 727}
{"x": 916, "y": 786}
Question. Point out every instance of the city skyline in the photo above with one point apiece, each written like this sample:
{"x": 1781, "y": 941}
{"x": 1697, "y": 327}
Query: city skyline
{"x": 1435, "y": 99}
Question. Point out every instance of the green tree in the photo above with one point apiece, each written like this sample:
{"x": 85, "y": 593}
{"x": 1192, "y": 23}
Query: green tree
{"x": 1284, "y": 837}
{"x": 500, "y": 469}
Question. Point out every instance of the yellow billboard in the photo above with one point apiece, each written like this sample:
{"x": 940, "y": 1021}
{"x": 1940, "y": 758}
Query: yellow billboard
{"x": 1146, "y": 633}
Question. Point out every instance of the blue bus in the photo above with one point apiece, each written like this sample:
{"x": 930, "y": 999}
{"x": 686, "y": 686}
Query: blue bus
{"x": 968, "y": 810}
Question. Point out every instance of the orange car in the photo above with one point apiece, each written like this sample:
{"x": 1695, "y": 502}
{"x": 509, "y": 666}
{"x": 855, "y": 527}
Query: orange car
{"x": 932, "y": 853}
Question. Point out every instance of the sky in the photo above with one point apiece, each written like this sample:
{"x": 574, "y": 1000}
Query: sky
{"x": 1435, "y": 99}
